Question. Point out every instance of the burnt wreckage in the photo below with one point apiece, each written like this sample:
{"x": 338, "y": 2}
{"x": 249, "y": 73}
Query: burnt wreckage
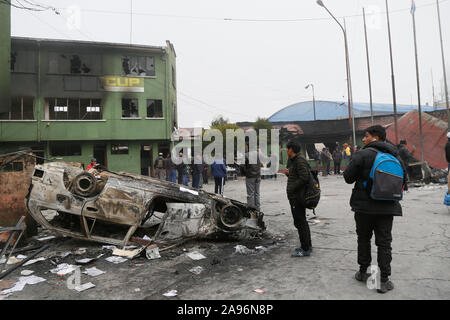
{"x": 81, "y": 202}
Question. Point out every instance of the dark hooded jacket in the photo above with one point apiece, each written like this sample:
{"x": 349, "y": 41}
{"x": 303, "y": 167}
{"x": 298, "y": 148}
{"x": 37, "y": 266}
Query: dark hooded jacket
{"x": 358, "y": 171}
{"x": 447, "y": 151}
{"x": 298, "y": 176}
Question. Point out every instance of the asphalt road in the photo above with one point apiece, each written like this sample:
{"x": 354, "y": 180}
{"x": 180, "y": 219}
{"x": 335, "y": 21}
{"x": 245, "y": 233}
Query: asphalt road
{"x": 420, "y": 266}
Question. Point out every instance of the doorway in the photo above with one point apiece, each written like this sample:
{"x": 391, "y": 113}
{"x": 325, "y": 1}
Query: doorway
{"x": 147, "y": 160}
{"x": 100, "y": 154}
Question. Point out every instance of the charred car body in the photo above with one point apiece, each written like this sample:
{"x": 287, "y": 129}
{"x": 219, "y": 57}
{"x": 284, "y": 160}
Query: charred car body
{"x": 129, "y": 201}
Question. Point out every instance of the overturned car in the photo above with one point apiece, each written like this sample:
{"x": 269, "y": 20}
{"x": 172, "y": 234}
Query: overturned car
{"x": 110, "y": 207}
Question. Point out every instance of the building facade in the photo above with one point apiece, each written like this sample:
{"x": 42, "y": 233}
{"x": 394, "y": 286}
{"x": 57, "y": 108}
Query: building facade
{"x": 74, "y": 100}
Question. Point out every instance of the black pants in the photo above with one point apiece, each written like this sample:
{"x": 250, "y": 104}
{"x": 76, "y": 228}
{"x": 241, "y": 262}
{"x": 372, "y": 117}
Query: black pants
{"x": 381, "y": 225}
{"x": 299, "y": 215}
{"x": 219, "y": 183}
{"x": 337, "y": 168}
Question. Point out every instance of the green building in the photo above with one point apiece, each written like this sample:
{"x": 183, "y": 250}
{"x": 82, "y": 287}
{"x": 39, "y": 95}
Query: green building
{"x": 5, "y": 53}
{"x": 74, "y": 100}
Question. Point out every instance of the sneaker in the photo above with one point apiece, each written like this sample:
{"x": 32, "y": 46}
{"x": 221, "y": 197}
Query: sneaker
{"x": 360, "y": 276}
{"x": 301, "y": 253}
{"x": 385, "y": 286}
{"x": 300, "y": 249}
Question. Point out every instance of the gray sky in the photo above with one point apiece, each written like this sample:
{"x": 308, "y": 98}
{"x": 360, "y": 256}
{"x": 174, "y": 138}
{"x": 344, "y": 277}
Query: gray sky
{"x": 246, "y": 69}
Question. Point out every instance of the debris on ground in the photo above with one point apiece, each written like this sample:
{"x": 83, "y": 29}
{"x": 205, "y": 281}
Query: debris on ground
{"x": 80, "y": 251}
{"x": 6, "y": 284}
{"x": 196, "y": 270}
{"x": 171, "y": 293}
{"x": 195, "y": 255}
{"x": 26, "y": 272}
{"x": 260, "y": 291}
{"x": 137, "y": 290}
{"x": 63, "y": 269}
{"x": 46, "y": 238}
{"x": 152, "y": 252}
{"x": 243, "y": 249}
{"x": 84, "y": 286}
{"x": 116, "y": 259}
{"x": 34, "y": 261}
{"x": 93, "y": 272}
{"x": 23, "y": 281}
{"x": 127, "y": 253}
{"x": 65, "y": 254}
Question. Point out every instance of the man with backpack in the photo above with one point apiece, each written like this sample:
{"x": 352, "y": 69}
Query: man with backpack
{"x": 380, "y": 178}
{"x": 160, "y": 167}
{"x": 298, "y": 177}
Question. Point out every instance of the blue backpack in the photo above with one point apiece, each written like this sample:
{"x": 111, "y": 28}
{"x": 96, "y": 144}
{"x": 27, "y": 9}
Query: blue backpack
{"x": 387, "y": 177}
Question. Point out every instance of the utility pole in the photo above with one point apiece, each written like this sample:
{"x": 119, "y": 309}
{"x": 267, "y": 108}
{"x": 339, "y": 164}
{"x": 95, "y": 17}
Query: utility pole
{"x": 131, "y": 22}
{"x": 432, "y": 87}
{"x": 413, "y": 11}
{"x": 368, "y": 67}
{"x": 392, "y": 75}
{"x": 350, "y": 86}
{"x": 314, "y": 99}
{"x": 443, "y": 66}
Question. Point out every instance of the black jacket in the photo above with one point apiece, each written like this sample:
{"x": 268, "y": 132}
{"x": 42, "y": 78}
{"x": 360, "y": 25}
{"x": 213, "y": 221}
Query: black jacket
{"x": 298, "y": 176}
{"x": 251, "y": 170}
{"x": 358, "y": 171}
{"x": 447, "y": 151}
{"x": 405, "y": 155}
{"x": 337, "y": 156}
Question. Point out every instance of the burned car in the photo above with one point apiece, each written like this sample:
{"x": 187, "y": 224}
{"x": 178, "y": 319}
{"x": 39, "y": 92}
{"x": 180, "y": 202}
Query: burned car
{"x": 89, "y": 205}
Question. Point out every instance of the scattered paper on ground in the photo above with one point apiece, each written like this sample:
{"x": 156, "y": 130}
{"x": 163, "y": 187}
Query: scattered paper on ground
{"x": 152, "y": 252}
{"x": 127, "y": 253}
{"x": 195, "y": 255}
{"x": 259, "y": 291}
{"x": 93, "y": 272}
{"x": 13, "y": 260}
{"x": 84, "y": 286}
{"x": 116, "y": 259}
{"x": 81, "y": 251}
{"x": 21, "y": 256}
{"x": 147, "y": 238}
{"x": 196, "y": 270}
{"x": 34, "y": 261}
{"x": 65, "y": 254}
{"x": 26, "y": 272}
{"x": 23, "y": 281}
{"x": 171, "y": 293}
{"x": 63, "y": 269}
{"x": 85, "y": 261}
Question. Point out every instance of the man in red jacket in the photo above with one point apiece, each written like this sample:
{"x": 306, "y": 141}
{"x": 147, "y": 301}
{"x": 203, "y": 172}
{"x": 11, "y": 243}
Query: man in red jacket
{"x": 92, "y": 165}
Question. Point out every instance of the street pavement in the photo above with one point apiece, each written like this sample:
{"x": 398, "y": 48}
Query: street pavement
{"x": 420, "y": 265}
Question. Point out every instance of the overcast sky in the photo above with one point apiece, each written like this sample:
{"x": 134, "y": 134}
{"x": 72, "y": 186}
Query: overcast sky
{"x": 244, "y": 69}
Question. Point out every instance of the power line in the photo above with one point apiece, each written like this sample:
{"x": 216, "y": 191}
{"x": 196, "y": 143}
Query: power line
{"x": 245, "y": 19}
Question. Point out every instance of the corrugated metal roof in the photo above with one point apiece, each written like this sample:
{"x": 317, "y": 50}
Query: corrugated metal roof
{"x": 327, "y": 110}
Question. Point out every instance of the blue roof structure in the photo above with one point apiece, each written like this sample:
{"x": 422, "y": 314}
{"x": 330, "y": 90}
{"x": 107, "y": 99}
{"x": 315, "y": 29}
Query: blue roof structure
{"x": 327, "y": 110}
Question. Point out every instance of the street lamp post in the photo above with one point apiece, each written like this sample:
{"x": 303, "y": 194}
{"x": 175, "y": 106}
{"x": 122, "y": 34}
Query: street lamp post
{"x": 314, "y": 99}
{"x": 347, "y": 63}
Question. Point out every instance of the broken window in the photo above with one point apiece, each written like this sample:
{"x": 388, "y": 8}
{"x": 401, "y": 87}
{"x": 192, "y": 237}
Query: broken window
{"x": 154, "y": 109}
{"x": 15, "y": 166}
{"x": 130, "y": 108}
{"x": 73, "y": 109}
{"x": 62, "y": 63}
{"x": 138, "y": 66}
{"x": 64, "y": 149}
{"x": 173, "y": 77}
{"x": 21, "y": 109}
{"x": 119, "y": 149}
{"x": 23, "y": 61}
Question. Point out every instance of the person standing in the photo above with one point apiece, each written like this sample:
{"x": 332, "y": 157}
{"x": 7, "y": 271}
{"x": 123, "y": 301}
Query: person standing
{"x": 337, "y": 158}
{"x": 447, "y": 156}
{"x": 182, "y": 171}
{"x": 197, "y": 169}
{"x": 372, "y": 216}
{"x": 205, "y": 173}
{"x": 160, "y": 167}
{"x": 92, "y": 165}
{"x": 325, "y": 158}
{"x": 219, "y": 171}
{"x": 252, "y": 171}
{"x": 172, "y": 176}
{"x": 316, "y": 157}
{"x": 298, "y": 177}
